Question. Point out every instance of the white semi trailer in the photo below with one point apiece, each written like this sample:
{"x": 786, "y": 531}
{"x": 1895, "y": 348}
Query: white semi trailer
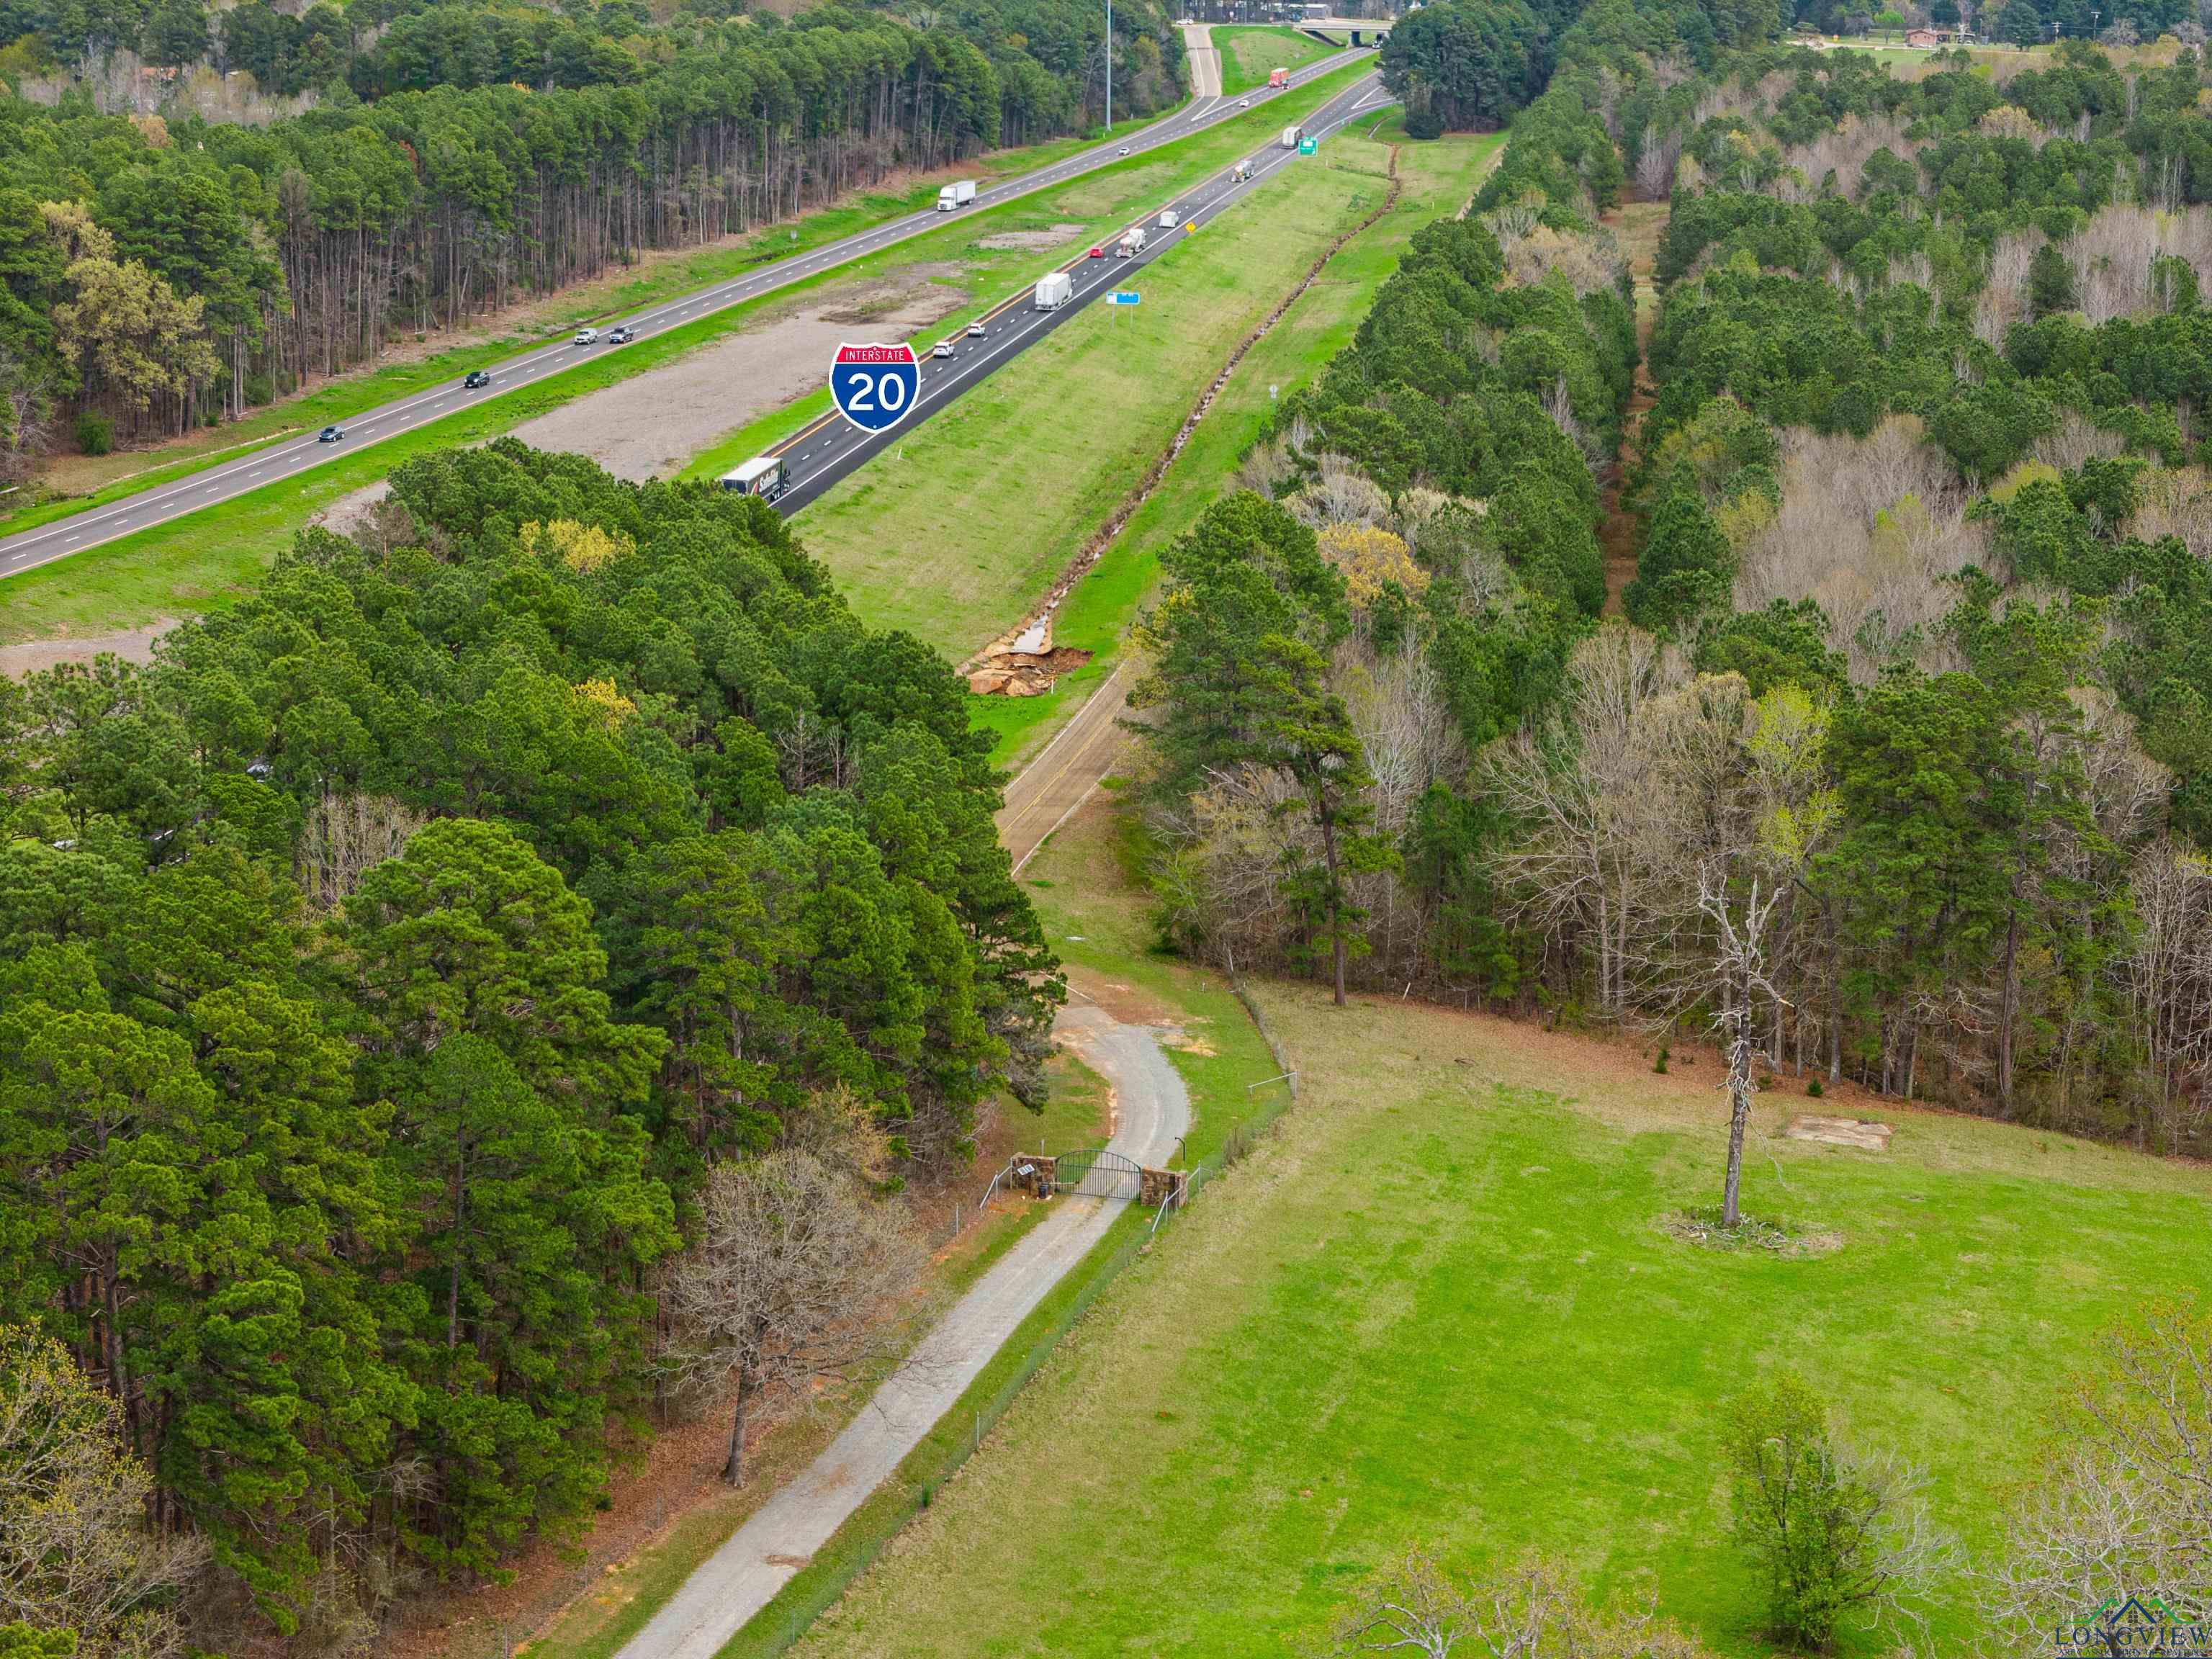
{"x": 1054, "y": 291}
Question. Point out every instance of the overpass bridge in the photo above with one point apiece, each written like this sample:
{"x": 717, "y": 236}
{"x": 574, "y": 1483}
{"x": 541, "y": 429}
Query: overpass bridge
{"x": 1359, "y": 31}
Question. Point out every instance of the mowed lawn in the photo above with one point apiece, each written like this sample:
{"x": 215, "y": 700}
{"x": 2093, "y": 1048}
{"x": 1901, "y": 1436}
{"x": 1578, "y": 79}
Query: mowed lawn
{"x": 1435, "y": 179}
{"x": 955, "y": 531}
{"x": 1248, "y": 51}
{"x": 1435, "y": 1307}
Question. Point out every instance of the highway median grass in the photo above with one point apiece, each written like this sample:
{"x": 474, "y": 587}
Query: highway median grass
{"x": 1436, "y": 179}
{"x": 1436, "y": 1306}
{"x": 206, "y": 560}
{"x": 1248, "y": 51}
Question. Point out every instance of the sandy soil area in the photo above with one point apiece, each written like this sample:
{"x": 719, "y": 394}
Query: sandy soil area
{"x": 132, "y": 645}
{"x": 1032, "y": 240}
{"x": 650, "y": 425}
{"x": 349, "y": 513}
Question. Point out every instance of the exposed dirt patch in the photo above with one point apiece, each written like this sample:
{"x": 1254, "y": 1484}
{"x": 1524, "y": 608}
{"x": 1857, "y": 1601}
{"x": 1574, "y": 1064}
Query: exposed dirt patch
{"x": 1024, "y": 673}
{"x": 1866, "y": 1135}
{"x": 1128, "y": 1003}
{"x": 1018, "y": 241}
{"x": 650, "y": 425}
{"x": 349, "y": 513}
{"x": 132, "y": 645}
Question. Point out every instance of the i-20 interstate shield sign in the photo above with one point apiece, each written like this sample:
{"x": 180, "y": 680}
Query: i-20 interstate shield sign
{"x": 874, "y": 385}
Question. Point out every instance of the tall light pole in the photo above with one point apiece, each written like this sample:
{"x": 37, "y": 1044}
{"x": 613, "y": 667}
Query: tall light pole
{"x": 1110, "y": 68}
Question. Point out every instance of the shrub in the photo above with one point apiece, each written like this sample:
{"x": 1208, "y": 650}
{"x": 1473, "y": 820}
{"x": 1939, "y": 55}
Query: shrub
{"x": 1831, "y": 1534}
{"x": 260, "y": 389}
{"x": 95, "y": 434}
{"x": 1814, "y": 1088}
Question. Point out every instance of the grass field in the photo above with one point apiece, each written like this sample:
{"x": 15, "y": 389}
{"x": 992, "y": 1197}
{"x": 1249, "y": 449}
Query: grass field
{"x": 1248, "y": 51}
{"x": 206, "y": 560}
{"x": 1436, "y": 179}
{"x": 1435, "y": 1306}
{"x": 957, "y": 531}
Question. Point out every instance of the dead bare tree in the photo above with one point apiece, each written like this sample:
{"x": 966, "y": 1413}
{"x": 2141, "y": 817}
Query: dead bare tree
{"x": 1738, "y": 976}
{"x": 1531, "y": 1612}
{"x": 345, "y": 835}
{"x": 800, "y": 1279}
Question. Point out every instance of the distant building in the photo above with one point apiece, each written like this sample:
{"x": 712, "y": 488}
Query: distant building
{"x": 1928, "y": 40}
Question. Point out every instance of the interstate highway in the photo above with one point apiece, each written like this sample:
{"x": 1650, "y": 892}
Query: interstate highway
{"x": 296, "y": 456}
{"x": 830, "y": 446}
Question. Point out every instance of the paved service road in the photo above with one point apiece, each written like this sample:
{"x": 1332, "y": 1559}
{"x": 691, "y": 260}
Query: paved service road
{"x": 1204, "y": 61}
{"x": 830, "y": 446}
{"x": 762, "y": 1556}
{"x": 292, "y": 458}
{"x": 1060, "y": 779}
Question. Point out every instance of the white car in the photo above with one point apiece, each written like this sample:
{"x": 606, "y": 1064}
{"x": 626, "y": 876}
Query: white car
{"x": 975, "y": 330}
{"x": 1243, "y": 103}
{"x": 1124, "y": 150}
{"x": 587, "y": 337}
{"x": 942, "y": 349}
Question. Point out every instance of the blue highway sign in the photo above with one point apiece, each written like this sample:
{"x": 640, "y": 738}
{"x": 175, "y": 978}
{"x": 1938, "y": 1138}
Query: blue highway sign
{"x": 874, "y": 385}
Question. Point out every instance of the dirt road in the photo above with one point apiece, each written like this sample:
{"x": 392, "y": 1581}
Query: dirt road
{"x": 1060, "y": 779}
{"x": 763, "y": 1555}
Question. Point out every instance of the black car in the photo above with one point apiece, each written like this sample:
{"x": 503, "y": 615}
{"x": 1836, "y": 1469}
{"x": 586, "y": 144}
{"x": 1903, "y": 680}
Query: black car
{"x": 477, "y": 377}
{"x": 329, "y": 435}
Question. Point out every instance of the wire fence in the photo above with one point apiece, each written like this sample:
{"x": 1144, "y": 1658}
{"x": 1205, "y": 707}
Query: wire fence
{"x": 792, "y": 1622}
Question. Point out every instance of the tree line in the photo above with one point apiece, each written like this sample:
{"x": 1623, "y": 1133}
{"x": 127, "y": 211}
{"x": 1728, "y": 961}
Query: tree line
{"x": 161, "y": 272}
{"x": 393, "y": 977}
{"x": 1905, "y": 718}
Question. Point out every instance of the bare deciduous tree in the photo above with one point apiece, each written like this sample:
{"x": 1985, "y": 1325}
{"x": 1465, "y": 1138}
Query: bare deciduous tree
{"x": 74, "y": 1550}
{"x": 2124, "y": 1504}
{"x": 1738, "y": 979}
{"x": 1532, "y": 1612}
{"x": 800, "y": 1279}
{"x": 345, "y": 835}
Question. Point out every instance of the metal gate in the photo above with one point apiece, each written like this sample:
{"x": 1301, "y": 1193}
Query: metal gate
{"x": 1097, "y": 1172}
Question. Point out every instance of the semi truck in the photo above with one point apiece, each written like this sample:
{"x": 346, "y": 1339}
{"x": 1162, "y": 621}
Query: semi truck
{"x": 764, "y": 476}
{"x": 957, "y": 194}
{"x": 1291, "y": 137}
{"x": 1054, "y": 291}
{"x": 1278, "y": 77}
{"x": 1131, "y": 244}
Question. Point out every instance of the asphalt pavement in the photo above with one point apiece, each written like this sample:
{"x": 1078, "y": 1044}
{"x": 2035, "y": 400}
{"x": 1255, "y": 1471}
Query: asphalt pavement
{"x": 294, "y": 457}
